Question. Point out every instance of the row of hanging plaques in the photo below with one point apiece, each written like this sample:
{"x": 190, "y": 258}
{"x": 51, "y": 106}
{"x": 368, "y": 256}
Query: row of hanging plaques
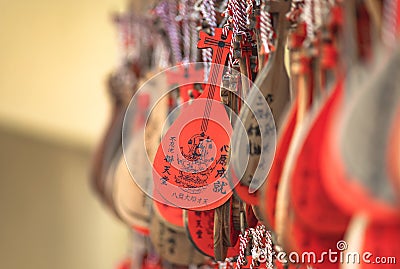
{"x": 250, "y": 133}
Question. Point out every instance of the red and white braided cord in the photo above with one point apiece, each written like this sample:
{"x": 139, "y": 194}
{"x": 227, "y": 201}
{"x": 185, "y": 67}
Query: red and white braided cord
{"x": 193, "y": 19}
{"x": 390, "y": 15}
{"x": 184, "y": 15}
{"x": 309, "y": 20}
{"x": 244, "y": 241}
{"x": 208, "y": 10}
{"x": 168, "y": 17}
{"x": 269, "y": 250}
{"x": 296, "y": 10}
{"x": 266, "y": 30}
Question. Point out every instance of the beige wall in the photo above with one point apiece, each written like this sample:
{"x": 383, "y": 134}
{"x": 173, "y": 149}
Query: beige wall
{"x": 53, "y": 60}
{"x": 49, "y": 215}
{"x": 54, "y": 57}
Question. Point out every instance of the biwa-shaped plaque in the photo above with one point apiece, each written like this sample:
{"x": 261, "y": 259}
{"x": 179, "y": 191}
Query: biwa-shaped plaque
{"x": 190, "y": 163}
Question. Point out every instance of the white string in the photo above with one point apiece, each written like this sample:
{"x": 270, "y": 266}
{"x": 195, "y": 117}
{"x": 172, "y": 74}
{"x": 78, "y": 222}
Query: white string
{"x": 208, "y": 10}
{"x": 161, "y": 53}
{"x": 326, "y": 6}
{"x": 244, "y": 240}
{"x": 269, "y": 250}
{"x": 239, "y": 18}
{"x": 255, "y": 249}
{"x": 308, "y": 18}
{"x": 332, "y": 2}
{"x": 194, "y": 16}
{"x": 317, "y": 14}
{"x": 266, "y": 29}
{"x": 223, "y": 6}
{"x": 238, "y": 22}
{"x": 249, "y": 11}
{"x": 165, "y": 11}
{"x": 173, "y": 32}
{"x": 296, "y": 11}
{"x": 260, "y": 251}
{"x": 389, "y": 22}
{"x": 184, "y": 17}
{"x": 258, "y": 247}
{"x": 125, "y": 36}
